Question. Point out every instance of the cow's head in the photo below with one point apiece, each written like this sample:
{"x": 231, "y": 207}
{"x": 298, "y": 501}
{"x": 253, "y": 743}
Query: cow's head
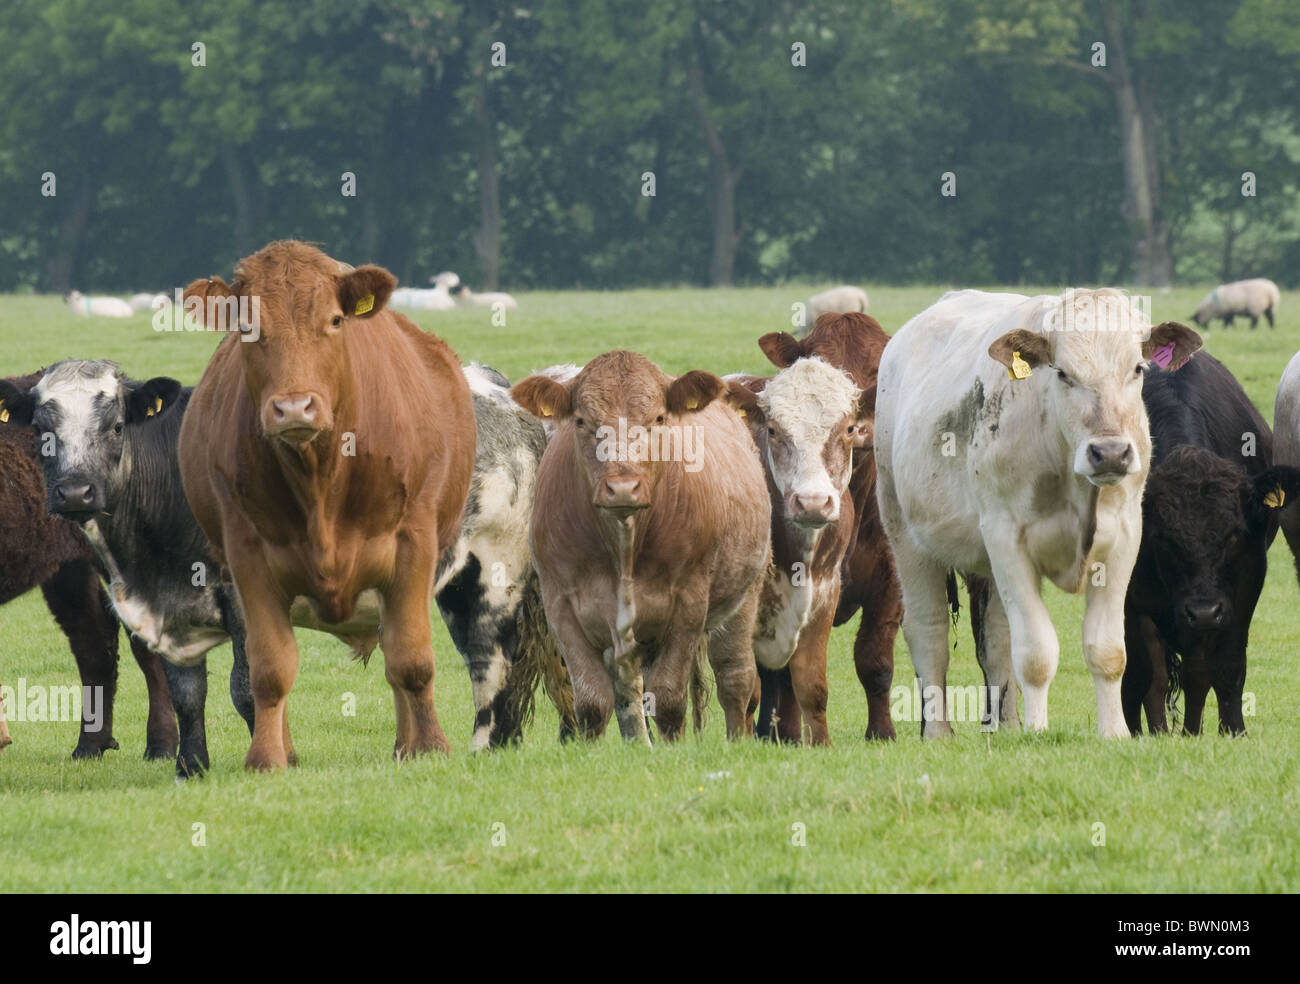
{"x": 83, "y": 411}
{"x": 1094, "y": 347}
{"x": 618, "y": 398}
{"x": 1206, "y": 529}
{"x": 807, "y": 420}
{"x": 293, "y": 305}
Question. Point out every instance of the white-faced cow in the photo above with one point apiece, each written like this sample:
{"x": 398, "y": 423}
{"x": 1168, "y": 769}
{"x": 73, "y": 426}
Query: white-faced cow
{"x": 1012, "y": 441}
{"x": 650, "y": 530}
{"x": 805, "y": 421}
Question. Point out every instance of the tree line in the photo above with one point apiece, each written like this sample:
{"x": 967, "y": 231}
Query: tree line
{"x": 611, "y": 143}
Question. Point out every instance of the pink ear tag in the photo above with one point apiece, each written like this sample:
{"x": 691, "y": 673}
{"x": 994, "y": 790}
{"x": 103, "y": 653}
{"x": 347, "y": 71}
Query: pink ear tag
{"x": 1163, "y": 355}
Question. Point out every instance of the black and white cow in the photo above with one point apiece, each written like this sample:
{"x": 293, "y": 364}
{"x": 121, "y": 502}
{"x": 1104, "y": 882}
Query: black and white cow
{"x": 116, "y": 472}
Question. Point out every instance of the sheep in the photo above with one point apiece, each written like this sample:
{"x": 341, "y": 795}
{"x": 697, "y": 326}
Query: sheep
{"x": 837, "y": 300}
{"x": 422, "y": 299}
{"x": 100, "y": 307}
{"x": 1249, "y": 297}
{"x": 467, "y": 298}
{"x": 148, "y": 302}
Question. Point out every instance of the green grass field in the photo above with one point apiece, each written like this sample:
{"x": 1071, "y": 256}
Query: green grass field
{"x": 1002, "y": 812}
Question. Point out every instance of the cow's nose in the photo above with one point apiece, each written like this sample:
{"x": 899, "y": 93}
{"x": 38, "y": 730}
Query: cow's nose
{"x": 74, "y": 496}
{"x": 1203, "y": 616}
{"x": 294, "y": 409}
{"x": 816, "y": 509}
{"x": 1110, "y": 456}
{"x": 622, "y": 492}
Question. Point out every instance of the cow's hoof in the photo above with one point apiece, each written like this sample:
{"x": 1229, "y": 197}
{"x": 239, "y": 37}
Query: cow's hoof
{"x": 191, "y": 767}
{"x": 5, "y": 742}
{"x": 157, "y": 752}
{"x": 93, "y": 750}
{"x": 881, "y": 733}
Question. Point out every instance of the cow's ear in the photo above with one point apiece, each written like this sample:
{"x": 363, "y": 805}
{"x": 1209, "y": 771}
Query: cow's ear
{"x": 542, "y": 396}
{"x": 781, "y": 348}
{"x": 1029, "y": 346}
{"x": 864, "y": 428}
{"x": 364, "y": 291}
{"x": 1274, "y": 489}
{"x": 693, "y": 392}
{"x": 197, "y": 307}
{"x": 151, "y": 398}
{"x": 16, "y": 406}
{"x": 744, "y": 401}
{"x": 1171, "y": 345}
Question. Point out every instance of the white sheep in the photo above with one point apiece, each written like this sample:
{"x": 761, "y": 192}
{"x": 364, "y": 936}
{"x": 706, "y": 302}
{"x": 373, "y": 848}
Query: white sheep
{"x": 837, "y": 300}
{"x": 99, "y": 307}
{"x": 149, "y": 302}
{"x": 1249, "y": 297}
{"x": 467, "y": 298}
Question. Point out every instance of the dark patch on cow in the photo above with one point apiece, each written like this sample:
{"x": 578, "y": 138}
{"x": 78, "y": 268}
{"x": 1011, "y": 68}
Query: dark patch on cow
{"x": 961, "y": 420}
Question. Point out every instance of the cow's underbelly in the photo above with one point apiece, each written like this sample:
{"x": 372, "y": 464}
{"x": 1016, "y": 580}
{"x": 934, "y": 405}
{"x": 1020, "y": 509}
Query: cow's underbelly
{"x": 366, "y": 610}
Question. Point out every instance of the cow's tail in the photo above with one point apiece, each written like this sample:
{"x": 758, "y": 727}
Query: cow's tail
{"x": 1174, "y": 667}
{"x": 700, "y": 689}
{"x": 954, "y": 601}
{"x": 537, "y": 658}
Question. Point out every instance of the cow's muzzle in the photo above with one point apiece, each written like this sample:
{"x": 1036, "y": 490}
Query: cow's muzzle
{"x": 76, "y": 496}
{"x": 1200, "y": 615}
{"x": 622, "y": 494}
{"x": 1107, "y": 460}
{"x": 295, "y": 418}
{"x": 812, "y": 510}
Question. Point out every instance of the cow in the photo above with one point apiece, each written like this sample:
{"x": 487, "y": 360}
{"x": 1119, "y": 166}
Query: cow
{"x": 650, "y": 530}
{"x": 38, "y": 549}
{"x": 1210, "y": 513}
{"x": 1012, "y": 442}
{"x": 327, "y": 453}
{"x": 1286, "y": 447}
{"x": 854, "y": 342}
{"x": 805, "y": 422}
{"x": 114, "y": 472}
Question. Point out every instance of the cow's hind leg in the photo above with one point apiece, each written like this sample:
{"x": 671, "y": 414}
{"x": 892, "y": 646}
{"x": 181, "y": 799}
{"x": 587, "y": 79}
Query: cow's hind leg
{"x": 486, "y": 637}
{"x": 731, "y": 654}
{"x": 407, "y": 640}
{"x": 873, "y": 653}
{"x": 925, "y": 629}
{"x": 189, "y": 690}
{"x": 241, "y": 689}
{"x": 779, "y": 718}
{"x": 992, "y": 634}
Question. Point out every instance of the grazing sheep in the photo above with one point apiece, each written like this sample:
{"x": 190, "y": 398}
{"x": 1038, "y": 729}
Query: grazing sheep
{"x": 467, "y": 298}
{"x": 422, "y": 299}
{"x": 98, "y": 307}
{"x": 1248, "y": 297}
{"x": 837, "y": 300}
{"x": 148, "y": 302}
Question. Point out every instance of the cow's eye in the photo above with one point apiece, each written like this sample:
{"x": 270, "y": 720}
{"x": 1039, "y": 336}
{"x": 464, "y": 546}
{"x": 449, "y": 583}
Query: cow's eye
{"x": 117, "y": 428}
{"x": 577, "y": 421}
{"x": 771, "y": 431}
{"x": 1140, "y": 369}
{"x": 338, "y": 320}
{"x": 659, "y": 419}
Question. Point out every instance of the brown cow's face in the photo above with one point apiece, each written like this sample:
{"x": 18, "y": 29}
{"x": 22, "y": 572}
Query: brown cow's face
{"x": 628, "y": 418}
{"x": 294, "y": 357}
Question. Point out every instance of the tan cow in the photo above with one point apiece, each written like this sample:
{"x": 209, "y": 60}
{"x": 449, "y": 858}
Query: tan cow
{"x": 651, "y": 527}
{"x": 327, "y": 454}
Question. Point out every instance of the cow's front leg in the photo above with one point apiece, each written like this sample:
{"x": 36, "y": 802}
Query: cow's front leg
{"x": 731, "y": 654}
{"x": 779, "y": 718}
{"x": 808, "y": 675}
{"x": 189, "y": 693}
{"x": 272, "y": 663}
{"x": 1103, "y": 634}
{"x": 1035, "y": 651}
{"x": 407, "y": 640}
{"x": 988, "y": 620}
{"x": 873, "y": 653}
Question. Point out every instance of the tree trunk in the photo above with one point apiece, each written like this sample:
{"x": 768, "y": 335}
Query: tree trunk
{"x": 487, "y": 239}
{"x": 241, "y": 197}
{"x": 369, "y": 232}
{"x": 1151, "y": 263}
{"x": 62, "y": 262}
{"x": 722, "y": 189}
{"x": 1229, "y": 242}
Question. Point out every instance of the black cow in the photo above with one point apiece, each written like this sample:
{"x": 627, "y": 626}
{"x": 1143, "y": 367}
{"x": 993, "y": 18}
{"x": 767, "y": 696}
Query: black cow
{"x": 117, "y": 472}
{"x": 1209, "y": 514}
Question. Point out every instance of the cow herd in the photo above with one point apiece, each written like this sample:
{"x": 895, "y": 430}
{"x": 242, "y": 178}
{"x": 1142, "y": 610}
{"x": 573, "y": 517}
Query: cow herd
{"x": 609, "y": 530}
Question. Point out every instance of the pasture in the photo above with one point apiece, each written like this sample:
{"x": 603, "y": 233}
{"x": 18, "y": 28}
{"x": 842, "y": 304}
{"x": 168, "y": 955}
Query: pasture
{"x": 1000, "y": 812}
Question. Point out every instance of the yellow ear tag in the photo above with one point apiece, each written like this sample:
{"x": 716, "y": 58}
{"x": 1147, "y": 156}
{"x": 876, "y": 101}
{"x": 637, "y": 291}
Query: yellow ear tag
{"x": 156, "y": 408}
{"x": 546, "y": 411}
{"x": 1275, "y": 498}
{"x": 1019, "y": 367}
{"x": 4, "y": 414}
{"x": 364, "y": 305}
{"x": 692, "y": 403}
{"x": 741, "y": 412}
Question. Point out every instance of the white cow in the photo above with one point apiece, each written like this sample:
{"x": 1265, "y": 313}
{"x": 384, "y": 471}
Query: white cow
{"x": 1020, "y": 478}
{"x": 98, "y": 307}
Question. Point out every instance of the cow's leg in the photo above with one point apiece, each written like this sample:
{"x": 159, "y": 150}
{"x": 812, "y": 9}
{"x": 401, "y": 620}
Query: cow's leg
{"x": 1103, "y": 630}
{"x": 992, "y": 634}
{"x": 1195, "y": 679}
{"x": 241, "y": 689}
{"x": 593, "y": 690}
{"x": 873, "y": 654}
{"x": 160, "y": 731}
{"x": 668, "y": 679}
{"x": 731, "y": 654}
{"x": 925, "y": 629}
{"x": 779, "y": 717}
{"x": 84, "y": 614}
{"x": 1035, "y": 651}
{"x": 189, "y": 689}
{"x": 1228, "y": 680}
{"x": 407, "y": 640}
{"x": 272, "y": 663}
{"x": 808, "y": 675}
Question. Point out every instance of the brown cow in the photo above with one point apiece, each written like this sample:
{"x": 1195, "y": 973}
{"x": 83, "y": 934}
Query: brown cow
{"x": 327, "y": 453}
{"x": 806, "y": 423}
{"x": 650, "y": 529}
{"x": 854, "y": 342}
